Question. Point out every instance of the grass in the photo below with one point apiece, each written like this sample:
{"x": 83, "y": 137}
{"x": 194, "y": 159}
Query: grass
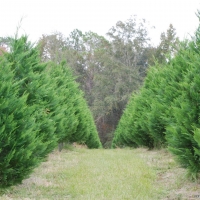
{"x": 119, "y": 174}
{"x": 170, "y": 176}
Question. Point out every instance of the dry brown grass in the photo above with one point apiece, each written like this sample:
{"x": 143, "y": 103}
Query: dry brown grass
{"x": 170, "y": 175}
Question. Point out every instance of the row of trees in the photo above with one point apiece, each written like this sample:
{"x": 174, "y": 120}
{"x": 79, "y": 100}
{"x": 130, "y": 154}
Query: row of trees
{"x": 108, "y": 69}
{"x": 41, "y": 105}
{"x": 166, "y": 110}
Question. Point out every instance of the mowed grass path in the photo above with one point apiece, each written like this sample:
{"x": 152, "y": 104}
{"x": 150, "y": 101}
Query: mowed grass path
{"x": 112, "y": 174}
{"x": 89, "y": 175}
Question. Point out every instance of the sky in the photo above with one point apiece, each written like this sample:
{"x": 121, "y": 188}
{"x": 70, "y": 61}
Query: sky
{"x": 48, "y": 16}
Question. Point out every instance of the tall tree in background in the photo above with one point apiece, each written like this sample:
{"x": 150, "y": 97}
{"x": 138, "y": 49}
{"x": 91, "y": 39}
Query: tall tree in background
{"x": 121, "y": 67}
{"x": 87, "y": 50}
{"x": 129, "y": 40}
{"x": 168, "y": 45}
{"x": 51, "y": 47}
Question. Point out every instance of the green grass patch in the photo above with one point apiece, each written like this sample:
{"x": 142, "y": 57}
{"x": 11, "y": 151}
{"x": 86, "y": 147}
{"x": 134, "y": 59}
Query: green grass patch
{"x": 106, "y": 174}
{"x": 89, "y": 175}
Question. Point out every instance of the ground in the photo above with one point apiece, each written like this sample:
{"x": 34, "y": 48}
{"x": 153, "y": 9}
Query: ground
{"x": 107, "y": 174}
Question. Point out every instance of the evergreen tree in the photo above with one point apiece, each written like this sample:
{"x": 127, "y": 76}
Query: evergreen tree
{"x": 143, "y": 115}
{"x": 182, "y": 131}
{"x": 40, "y": 105}
{"x": 73, "y": 119}
{"x": 167, "y": 108}
{"x": 65, "y": 114}
{"x": 122, "y": 136}
{"x": 27, "y": 67}
{"x": 21, "y": 150}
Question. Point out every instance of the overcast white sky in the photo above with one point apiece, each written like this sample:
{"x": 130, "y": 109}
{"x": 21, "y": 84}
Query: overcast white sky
{"x": 46, "y": 16}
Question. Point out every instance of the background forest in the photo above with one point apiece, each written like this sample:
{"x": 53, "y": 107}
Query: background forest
{"x": 109, "y": 69}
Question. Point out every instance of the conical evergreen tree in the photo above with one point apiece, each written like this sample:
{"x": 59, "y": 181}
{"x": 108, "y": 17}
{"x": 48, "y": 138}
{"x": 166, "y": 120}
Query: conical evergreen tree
{"x": 25, "y": 63}
{"x": 122, "y": 134}
{"x": 151, "y": 108}
{"x": 64, "y": 117}
{"x": 167, "y": 108}
{"x": 143, "y": 115}
{"x": 182, "y": 131}
{"x": 40, "y": 105}
{"x": 20, "y": 146}
{"x": 74, "y": 120}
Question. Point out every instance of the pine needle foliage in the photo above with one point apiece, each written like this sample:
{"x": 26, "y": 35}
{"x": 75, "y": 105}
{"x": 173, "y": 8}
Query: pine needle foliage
{"x": 73, "y": 117}
{"x": 21, "y": 150}
{"x": 64, "y": 116}
{"x": 122, "y": 136}
{"x": 40, "y": 105}
{"x": 25, "y": 63}
{"x": 183, "y": 130}
{"x": 144, "y": 114}
{"x": 166, "y": 111}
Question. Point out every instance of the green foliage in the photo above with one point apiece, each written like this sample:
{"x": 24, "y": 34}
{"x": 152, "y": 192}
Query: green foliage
{"x": 182, "y": 131}
{"x": 64, "y": 87}
{"x": 166, "y": 112}
{"x": 25, "y": 62}
{"x": 144, "y": 114}
{"x": 93, "y": 140}
{"x": 108, "y": 70}
{"x": 40, "y": 105}
{"x": 152, "y": 108}
{"x": 72, "y": 117}
{"x": 21, "y": 149}
{"x": 122, "y": 135}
